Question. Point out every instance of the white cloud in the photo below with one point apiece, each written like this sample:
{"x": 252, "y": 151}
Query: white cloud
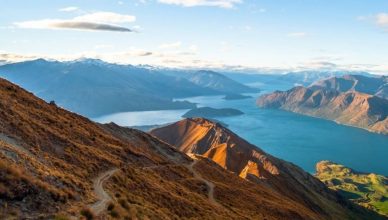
{"x": 382, "y": 19}
{"x": 103, "y": 46}
{"x": 193, "y": 48}
{"x": 98, "y": 21}
{"x": 192, "y": 3}
{"x": 69, "y": 9}
{"x": 171, "y": 45}
{"x": 187, "y": 59}
{"x": 297, "y": 34}
{"x": 106, "y": 17}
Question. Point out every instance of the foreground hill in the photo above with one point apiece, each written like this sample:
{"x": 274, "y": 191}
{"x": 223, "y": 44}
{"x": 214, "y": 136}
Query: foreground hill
{"x": 367, "y": 189}
{"x": 54, "y": 164}
{"x": 213, "y": 141}
{"x": 350, "y": 108}
{"x": 94, "y": 88}
{"x": 370, "y": 85}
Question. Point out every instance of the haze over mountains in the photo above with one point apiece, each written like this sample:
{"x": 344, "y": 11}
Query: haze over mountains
{"x": 50, "y": 157}
{"x": 93, "y": 87}
{"x": 344, "y": 100}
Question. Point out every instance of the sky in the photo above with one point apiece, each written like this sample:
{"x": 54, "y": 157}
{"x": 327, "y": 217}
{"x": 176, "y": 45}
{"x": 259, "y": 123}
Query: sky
{"x": 236, "y": 34}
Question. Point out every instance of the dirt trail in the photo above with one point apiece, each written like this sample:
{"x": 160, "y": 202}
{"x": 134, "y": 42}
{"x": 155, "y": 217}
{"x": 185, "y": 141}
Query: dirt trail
{"x": 209, "y": 184}
{"x": 102, "y": 196}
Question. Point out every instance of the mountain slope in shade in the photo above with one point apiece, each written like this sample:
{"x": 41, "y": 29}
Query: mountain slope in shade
{"x": 218, "y": 82}
{"x": 350, "y": 108}
{"x": 54, "y": 163}
{"x": 94, "y": 88}
{"x": 370, "y": 85}
{"x": 202, "y": 137}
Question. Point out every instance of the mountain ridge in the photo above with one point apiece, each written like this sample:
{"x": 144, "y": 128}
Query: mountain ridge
{"x": 348, "y": 107}
{"x": 212, "y": 140}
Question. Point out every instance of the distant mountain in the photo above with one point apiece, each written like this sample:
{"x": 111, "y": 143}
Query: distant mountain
{"x": 93, "y": 87}
{"x": 213, "y": 141}
{"x": 286, "y": 81}
{"x": 370, "y": 85}
{"x": 366, "y": 189}
{"x": 55, "y": 164}
{"x": 218, "y": 82}
{"x": 350, "y": 108}
{"x": 305, "y": 78}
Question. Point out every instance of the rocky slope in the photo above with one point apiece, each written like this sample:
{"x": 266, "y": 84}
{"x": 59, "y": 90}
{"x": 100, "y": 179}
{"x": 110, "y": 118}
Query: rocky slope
{"x": 367, "y": 189}
{"x": 350, "y": 108}
{"x": 56, "y": 164}
{"x": 211, "y": 140}
{"x": 370, "y": 85}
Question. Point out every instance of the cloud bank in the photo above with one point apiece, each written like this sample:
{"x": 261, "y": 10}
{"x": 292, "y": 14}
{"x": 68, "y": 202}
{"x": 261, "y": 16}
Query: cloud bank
{"x": 193, "y": 3}
{"x": 98, "y": 21}
{"x": 382, "y": 19}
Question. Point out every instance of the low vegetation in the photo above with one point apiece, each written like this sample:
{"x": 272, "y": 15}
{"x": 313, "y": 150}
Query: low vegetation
{"x": 366, "y": 189}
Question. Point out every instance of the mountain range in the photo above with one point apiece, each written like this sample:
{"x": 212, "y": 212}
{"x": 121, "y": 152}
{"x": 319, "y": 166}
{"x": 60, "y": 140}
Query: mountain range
{"x": 56, "y": 164}
{"x": 342, "y": 102}
{"x": 377, "y": 86}
{"x": 93, "y": 88}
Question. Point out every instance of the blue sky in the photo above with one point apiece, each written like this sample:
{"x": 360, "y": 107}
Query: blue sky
{"x": 261, "y": 34}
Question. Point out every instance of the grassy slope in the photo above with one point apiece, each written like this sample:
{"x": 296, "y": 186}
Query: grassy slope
{"x": 368, "y": 190}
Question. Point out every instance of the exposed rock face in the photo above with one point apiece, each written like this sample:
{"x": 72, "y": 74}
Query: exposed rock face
{"x": 350, "y": 108}
{"x": 367, "y": 189}
{"x": 211, "y": 140}
{"x": 369, "y": 85}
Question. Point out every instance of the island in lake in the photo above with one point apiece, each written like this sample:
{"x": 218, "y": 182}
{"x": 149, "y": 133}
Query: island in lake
{"x": 236, "y": 97}
{"x": 207, "y": 112}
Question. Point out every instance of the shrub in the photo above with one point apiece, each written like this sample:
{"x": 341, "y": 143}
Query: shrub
{"x": 111, "y": 206}
{"x": 114, "y": 214}
{"x": 87, "y": 213}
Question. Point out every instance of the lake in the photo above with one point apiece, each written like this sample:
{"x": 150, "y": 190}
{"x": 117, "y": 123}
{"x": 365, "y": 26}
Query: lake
{"x": 299, "y": 139}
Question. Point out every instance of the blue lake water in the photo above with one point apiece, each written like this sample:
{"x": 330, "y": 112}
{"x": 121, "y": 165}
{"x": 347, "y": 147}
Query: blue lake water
{"x": 296, "y": 138}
